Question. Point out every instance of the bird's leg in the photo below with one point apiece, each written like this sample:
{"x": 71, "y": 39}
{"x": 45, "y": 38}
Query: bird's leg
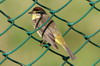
{"x": 42, "y": 43}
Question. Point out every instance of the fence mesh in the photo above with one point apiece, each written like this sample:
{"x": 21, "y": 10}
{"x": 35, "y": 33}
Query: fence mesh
{"x": 47, "y": 46}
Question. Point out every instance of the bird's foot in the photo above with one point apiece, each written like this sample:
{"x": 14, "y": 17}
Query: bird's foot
{"x": 42, "y": 43}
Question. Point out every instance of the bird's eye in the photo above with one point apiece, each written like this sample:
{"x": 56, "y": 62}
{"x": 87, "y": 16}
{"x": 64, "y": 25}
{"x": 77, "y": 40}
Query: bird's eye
{"x": 41, "y": 12}
{"x": 38, "y": 12}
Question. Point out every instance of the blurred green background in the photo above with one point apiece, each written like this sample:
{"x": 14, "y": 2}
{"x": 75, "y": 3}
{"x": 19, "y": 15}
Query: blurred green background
{"x": 32, "y": 49}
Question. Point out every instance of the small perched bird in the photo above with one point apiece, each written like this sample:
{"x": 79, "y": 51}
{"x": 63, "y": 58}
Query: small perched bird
{"x": 49, "y": 32}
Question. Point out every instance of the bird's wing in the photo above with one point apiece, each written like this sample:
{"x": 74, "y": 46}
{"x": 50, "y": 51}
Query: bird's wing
{"x": 48, "y": 34}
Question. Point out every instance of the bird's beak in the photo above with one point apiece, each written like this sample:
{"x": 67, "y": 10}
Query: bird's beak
{"x": 30, "y": 12}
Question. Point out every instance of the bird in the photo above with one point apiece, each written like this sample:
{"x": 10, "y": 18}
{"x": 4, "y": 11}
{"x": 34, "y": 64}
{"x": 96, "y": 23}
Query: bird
{"x": 49, "y": 33}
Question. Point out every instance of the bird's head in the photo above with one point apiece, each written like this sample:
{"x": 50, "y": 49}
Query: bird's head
{"x": 37, "y": 10}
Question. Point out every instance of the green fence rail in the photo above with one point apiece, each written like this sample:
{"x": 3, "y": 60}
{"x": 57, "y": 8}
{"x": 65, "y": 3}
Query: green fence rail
{"x": 47, "y": 46}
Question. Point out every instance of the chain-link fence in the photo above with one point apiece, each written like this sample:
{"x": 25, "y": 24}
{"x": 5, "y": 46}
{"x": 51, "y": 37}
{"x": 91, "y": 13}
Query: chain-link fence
{"x": 53, "y": 14}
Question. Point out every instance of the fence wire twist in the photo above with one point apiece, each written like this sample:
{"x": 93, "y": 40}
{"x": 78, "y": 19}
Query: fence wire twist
{"x": 47, "y": 46}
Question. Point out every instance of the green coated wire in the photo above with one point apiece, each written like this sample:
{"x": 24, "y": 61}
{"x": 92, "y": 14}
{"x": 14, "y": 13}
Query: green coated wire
{"x": 4, "y": 14}
{"x": 81, "y": 47}
{"x": 66, "y": 32}
{"x": 21, "y": 64}
{"x": 63, "y": 63}
{"x": 94, "y": 33}
{"x": 67, "y": 63}
{"x": 38, "y": 57}
{"x": 9, "y": 26}
{"x": 55, "y": 11}
{"x": 1, "y": 1}
{"x": 18, "y": 46}
{"x": 4, "y": 58}
{"x": 62, "y": 19}
{"x": 98, "y": 61}
{"x": 83, "y": 16}
{"x": 23, "y": 12}
{"x": 97, "y": 1}
{"x": 6, "y": 30}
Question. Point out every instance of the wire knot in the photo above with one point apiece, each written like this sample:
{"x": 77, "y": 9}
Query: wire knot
{"x": 29, "y": 33}
{"x": 47, "y": 45}
{"x": 11, "y": 20}
{"x": 52, "y": 11}
{"x": 70, "y": 24}
{"x": 87, "y": 37}
{"x": 65, "y": 58}
{"x": 92, "y": 3}
{"x": 5, "y": 54}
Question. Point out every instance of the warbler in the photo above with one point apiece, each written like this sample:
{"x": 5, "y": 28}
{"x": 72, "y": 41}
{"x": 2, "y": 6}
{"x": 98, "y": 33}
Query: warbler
{"x": 50, "y": 33}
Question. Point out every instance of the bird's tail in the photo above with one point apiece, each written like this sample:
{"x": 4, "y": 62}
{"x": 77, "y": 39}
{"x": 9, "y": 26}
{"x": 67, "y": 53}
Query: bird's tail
{"x": 60, "y": 40}
{"x": 72, "y": 56}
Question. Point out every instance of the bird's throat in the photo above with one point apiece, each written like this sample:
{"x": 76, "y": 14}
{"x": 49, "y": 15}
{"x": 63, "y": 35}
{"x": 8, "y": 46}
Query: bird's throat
{"x": 35, "y": 16}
